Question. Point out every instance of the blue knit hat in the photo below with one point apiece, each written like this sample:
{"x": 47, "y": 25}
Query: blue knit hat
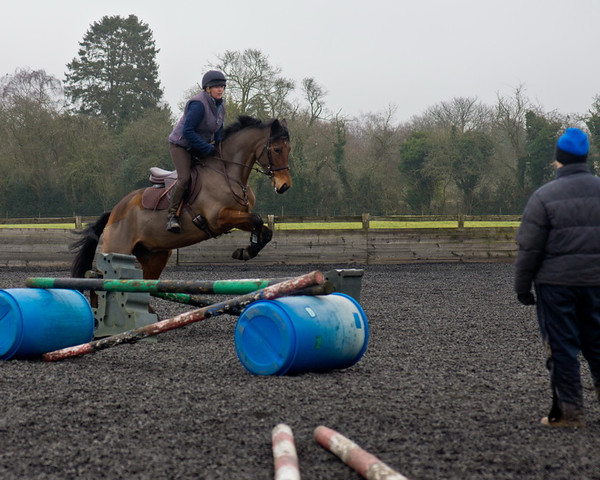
{"x": 572, "y": 147}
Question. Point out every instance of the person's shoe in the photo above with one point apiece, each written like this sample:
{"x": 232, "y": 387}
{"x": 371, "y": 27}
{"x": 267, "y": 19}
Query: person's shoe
{"x": 173, "y": 225}
{"x": 563, "y": 422}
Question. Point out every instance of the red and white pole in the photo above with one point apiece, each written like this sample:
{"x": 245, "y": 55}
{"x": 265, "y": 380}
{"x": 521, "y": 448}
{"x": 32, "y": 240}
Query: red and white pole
{"x": 367, "y": 465}
{"x": 284, "y": 454}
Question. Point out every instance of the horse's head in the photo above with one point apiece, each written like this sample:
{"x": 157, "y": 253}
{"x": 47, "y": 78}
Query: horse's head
{"x": 275, "y": 157}
{"x": 269, "y": 146}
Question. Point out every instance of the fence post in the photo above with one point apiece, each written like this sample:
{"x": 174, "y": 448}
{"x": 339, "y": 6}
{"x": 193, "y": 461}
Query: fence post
{"x": 78, "y": 222}
{"x": 461, "y": 220}
{"x": 271, "y": 221}
{"x": 366, "y": 219}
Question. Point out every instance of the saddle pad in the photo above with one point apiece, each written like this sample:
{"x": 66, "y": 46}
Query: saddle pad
{"x": 155, "y": 198}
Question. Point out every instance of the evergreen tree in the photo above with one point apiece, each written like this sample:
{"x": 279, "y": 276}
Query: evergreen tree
{"x": 421, "y": 184}
{"x": 535, "y": 167}
{"x": 474, "y": 150}
{"x": 115, "y": 75}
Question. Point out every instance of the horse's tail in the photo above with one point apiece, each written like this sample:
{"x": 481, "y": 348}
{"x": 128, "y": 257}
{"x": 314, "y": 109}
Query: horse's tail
{"x": 86, "y": 246}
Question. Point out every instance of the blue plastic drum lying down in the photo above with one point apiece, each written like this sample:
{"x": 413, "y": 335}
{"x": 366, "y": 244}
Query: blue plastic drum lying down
{"x": 299, "y": 334}
{"x": 36, "y": 321}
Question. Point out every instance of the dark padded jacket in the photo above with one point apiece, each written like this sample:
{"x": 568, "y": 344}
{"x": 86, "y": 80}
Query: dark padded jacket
{"x": 559, "y": 236}
{"x": 204, "y": 129}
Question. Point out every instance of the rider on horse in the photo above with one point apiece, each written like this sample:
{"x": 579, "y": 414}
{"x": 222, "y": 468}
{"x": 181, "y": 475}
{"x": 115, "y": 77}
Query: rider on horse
{"x": 198, "y": 133}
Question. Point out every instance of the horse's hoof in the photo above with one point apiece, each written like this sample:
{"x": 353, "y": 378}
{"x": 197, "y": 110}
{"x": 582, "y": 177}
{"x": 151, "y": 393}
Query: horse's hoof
{"x": 241, "y": 254}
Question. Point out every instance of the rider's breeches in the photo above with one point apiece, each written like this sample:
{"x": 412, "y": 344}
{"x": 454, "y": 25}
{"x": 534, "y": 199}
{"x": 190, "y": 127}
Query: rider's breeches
{"x": 182, "y": 159}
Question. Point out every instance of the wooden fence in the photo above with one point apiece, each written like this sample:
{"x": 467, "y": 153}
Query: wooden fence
{"x": 41, "y": 247}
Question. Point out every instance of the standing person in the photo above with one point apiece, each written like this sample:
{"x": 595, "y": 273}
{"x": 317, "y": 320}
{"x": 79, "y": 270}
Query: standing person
{"x": 199, "y": 132}
{"x": 559, "y": 252}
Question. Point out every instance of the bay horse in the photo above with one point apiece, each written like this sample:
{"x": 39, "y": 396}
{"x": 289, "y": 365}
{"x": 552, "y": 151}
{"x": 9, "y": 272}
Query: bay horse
{"x": 224, "y": 202}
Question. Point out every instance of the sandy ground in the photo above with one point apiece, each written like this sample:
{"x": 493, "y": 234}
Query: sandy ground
{"x": 452, "y": 386}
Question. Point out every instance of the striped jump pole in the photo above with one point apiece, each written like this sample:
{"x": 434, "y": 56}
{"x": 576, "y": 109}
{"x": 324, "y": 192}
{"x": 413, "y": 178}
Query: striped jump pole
{"x": 285, "y": 457}
{"x": 224, "y": 287}
{"x": 367, "y": 465}
{"x": 132, "y": 336}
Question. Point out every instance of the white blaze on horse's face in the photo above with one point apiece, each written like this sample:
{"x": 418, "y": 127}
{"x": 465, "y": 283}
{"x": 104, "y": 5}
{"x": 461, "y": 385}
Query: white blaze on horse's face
{"x": 280, "y": 178}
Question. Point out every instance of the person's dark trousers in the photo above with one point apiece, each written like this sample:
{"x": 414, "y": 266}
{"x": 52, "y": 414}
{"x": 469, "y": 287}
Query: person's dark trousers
{"x": 569, "y": 321}
{"x": 182, "y": 159}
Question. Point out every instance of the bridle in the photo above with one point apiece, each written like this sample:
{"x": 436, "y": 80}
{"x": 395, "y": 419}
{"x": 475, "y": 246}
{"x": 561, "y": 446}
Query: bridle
{"x": 265, "y": 171}
{"x": 270, "y": 169}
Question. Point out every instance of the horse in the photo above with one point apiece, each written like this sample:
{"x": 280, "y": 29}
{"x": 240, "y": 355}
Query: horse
{"x": 224, "y": 202}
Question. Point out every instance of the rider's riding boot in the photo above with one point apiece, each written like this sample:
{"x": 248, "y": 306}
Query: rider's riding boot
{"x": 177, "y": 195}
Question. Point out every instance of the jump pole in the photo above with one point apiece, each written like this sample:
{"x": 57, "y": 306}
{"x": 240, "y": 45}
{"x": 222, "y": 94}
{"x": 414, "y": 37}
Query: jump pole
{"x": 285, "y": 457}
{"x": 185, "y": 298}
{"x": 366, "y": 464}
{"x": 198, "y": 301}
{"x": 225, "y": 287}
{"x": 132, "y": 336}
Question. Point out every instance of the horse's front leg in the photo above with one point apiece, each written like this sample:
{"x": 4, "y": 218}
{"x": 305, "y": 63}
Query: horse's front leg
{"x": 260, "y": 234}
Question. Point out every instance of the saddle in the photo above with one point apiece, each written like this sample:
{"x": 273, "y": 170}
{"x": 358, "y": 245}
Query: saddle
{"x": 157, "y": 196}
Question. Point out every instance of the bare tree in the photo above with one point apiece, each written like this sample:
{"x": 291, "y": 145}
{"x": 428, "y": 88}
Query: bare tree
{"x": 31, "y": 101}
{"x": 253, "y": 84}
{"x": 313, "y": 93}
{"x": 276, "y": 97}
{"x": 509, "y": 123}
{"x": 462, "y": 113}
{"x": 34, "y": 86}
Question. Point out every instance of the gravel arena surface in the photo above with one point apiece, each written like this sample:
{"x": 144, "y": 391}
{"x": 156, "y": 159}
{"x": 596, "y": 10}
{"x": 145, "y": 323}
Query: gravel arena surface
{"x": 452, "y": 386}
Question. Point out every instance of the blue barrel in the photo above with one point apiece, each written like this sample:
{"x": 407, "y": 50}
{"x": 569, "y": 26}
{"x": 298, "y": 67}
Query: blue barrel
{"x": 36, "y": 321}
{"x": 299, "y": 334}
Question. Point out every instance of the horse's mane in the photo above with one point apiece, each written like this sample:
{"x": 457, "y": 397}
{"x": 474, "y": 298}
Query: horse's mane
{"x": 246, "y": 121}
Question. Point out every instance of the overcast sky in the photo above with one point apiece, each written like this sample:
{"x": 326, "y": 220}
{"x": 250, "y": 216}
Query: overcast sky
{"x": 367, "y": 54}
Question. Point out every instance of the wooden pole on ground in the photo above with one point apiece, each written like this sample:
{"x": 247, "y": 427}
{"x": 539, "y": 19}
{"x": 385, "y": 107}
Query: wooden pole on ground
{"x": 285, "y": 456}
{"x": 369, "y": 466}
{"x": 132, "y": 336}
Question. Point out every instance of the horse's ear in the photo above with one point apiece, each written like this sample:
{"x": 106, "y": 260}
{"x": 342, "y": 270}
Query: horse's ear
{"x": 278, "y": 127}
{"x": 275, "y": 127}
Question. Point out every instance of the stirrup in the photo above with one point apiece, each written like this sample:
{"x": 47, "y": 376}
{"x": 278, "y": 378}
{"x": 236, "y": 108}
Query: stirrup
{"x": 173, "y": 225}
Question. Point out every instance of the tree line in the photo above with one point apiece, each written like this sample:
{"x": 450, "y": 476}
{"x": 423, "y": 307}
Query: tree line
{"x": 77, "y": 145}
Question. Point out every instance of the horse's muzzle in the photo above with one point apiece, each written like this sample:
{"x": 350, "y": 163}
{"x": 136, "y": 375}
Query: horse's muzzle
{"x": 281, "y": 180}
{"x": 282, "y": 188}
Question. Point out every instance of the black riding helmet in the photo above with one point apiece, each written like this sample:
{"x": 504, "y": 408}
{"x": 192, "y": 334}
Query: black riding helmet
{"x": 213, "y": 78}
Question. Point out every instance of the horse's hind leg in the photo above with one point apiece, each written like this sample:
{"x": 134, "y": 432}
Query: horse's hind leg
{"x": 153, "y": 263}
{"x": 259, "y": 237}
